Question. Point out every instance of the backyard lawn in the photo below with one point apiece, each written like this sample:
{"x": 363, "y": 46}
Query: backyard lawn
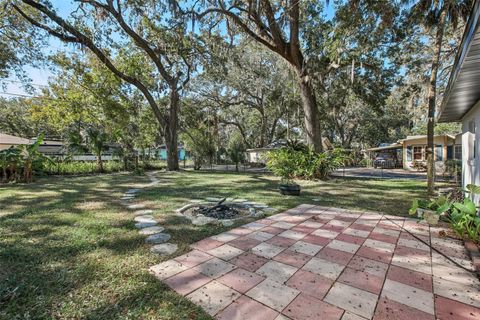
{"x": 70, "y": 250}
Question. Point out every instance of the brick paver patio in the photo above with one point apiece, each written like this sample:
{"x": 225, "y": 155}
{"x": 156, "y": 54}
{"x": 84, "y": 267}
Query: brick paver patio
{"x": 314, "y": 262}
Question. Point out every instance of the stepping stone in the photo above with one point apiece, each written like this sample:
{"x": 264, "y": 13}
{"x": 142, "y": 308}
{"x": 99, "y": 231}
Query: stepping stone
{"x": 132, "y": 191}
{"x": 164, "y": 249}
{"x": 260, "y": 206}
{"x": 196, "y": 201}
{"x": 201, "y": 221}
{"x": 127, "y": 198}
{"x": 214, "y": 199}
{"x": 143, "y": 212}
{"x": 151, "y": 230}
{"x": 158, "y": 238}
{"x": 226, "y": 223}
{"x": 141, "y": 225}
{"x": 145, "y": 218}
{"x": 240, "y": 200}
{"x": 136, "y": 206}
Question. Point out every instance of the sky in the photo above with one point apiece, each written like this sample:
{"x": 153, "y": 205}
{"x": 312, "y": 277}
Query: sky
{"x": 39, "y": 75}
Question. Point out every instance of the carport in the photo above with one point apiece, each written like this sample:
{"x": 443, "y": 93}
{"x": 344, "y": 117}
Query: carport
{"x": 394, "y": 149}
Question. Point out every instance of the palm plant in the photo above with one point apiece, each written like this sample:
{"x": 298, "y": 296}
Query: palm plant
{"x": 31, "y": 155}
{"x": 436, "y": 14}
{"x": 10, "y": 160}
{"x": 97, "y": 143}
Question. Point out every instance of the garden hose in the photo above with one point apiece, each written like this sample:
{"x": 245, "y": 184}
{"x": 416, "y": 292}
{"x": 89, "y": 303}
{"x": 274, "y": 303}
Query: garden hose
{"x": 436, "y": 250}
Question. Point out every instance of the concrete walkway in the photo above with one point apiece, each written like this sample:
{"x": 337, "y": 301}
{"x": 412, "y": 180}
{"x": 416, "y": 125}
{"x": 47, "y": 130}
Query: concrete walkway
{"x": 325, "y": 263}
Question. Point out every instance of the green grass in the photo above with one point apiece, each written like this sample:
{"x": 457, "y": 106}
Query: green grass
{"x": 69, "y": 250}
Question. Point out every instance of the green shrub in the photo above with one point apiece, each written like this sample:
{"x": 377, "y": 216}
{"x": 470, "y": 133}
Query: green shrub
{"x": 304, "y": 163}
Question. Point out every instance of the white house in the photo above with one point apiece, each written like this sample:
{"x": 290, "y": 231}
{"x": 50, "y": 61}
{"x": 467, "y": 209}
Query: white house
{"x": 461, "y": 101}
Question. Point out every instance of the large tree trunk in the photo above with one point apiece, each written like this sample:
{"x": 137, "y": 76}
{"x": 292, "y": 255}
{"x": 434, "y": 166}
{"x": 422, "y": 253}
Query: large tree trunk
{"x": 309, "y": 101}
{"x": 171, "y": 128}
{"x": 432, "y": 93}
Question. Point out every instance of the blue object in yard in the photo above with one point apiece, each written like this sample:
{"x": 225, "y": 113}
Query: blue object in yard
{"x": 163, "y": 154}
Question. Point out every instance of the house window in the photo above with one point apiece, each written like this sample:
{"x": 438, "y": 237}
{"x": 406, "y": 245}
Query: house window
{"x": 417, "y": 153}
{"x": 439, "y": 152}
{"x": 409, "y": 153}
{"x": 458, "y": 152}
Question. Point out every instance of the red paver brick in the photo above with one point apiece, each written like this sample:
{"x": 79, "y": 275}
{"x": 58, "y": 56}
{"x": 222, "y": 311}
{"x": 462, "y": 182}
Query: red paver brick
{"x": 411, "y": 252}
{"x": 382, "y": 237}
{"x": 193, "y": 258}
{"x": 266, "y": 222}
{"x": 333, "y": 255}
{"x": 391, "y": 310}
{"x": 360, "y": 226}
{"x": 346, "y": 219}
{"x": 272, "y": 230}
{"x": 387, "y": 225}
{"x": 281, "y": 241}
{"x": 305, "y": 307}
{"x": 374, "y": 267}
{"x": 333, "y": 227}
{"x": 375, "y": 254}
{"x": 310, "y": 283}
{"x": 249, "y": 261}
{"x": 244, "y": 243}
{"x": 291, "y": 258}
{"x": 295, "y": 219}
{"x": 187, "y": 281}
{"x": 241, "y": 280}
{"x": 320, "y": 219}
{"x": 447, "y": 309}
{"x": 362, "y": 280}
{"x": 303, "y": 229}
{"x": 247, "y": 309}
{"x": 206, "y": 244}
{"x": 240, "y": 231}
{"x": 412, "y": 278}
{"x": 350, "y": 239}
{"x": 320, "y": 241}
{"x": 405, "y": 235}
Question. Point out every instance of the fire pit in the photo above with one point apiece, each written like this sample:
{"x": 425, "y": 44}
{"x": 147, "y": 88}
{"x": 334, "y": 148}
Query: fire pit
{"x": 222, "y": 211}
{"x": 218, "y": 211}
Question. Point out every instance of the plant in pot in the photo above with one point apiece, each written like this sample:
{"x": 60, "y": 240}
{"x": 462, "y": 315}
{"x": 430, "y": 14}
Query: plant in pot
{"x": 431, "y": 210}
{"x": 283, "y": 163}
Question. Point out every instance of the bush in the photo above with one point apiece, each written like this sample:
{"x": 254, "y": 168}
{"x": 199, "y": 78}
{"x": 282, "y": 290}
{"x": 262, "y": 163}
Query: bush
{"x": 304, "y": 163}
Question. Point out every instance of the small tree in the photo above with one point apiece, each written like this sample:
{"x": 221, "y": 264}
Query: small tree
{"x": 236, "y": 150}
{"x": 97, "y": 144}
{"x": 201, "y": 145}
{"x": 31, "y": 156}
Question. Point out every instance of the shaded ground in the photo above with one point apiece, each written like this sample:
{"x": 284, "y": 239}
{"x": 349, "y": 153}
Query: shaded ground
{"x": 326, "y": 263}
{"x": 360, "y": 172}
{"x": 68, "y": 249}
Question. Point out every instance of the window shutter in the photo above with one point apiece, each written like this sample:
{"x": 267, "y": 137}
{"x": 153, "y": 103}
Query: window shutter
{"x": 409, "y": 153}
{"x": 449, "y": 152}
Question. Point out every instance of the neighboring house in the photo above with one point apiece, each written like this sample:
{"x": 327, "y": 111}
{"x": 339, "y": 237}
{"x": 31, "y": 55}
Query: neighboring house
{"x": 7, "y": 141}
{"x": 411, "y": 151}
{"x": 257, "y": 155}
{"x": 461, "y": 101}
{"x": 53, "y": 148}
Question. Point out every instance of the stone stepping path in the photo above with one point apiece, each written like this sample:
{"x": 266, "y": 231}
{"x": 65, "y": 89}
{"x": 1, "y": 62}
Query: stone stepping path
{"x": 151, "y": 230}
{"x": 146, "y": 222}
{"x": 158, "y": 238}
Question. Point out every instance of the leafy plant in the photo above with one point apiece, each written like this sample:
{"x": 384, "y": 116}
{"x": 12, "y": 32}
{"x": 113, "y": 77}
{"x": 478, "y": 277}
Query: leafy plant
{"x": 304, "y": 163}
{"x": 440, "y": 205}
{"x": 464, "y": 220}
